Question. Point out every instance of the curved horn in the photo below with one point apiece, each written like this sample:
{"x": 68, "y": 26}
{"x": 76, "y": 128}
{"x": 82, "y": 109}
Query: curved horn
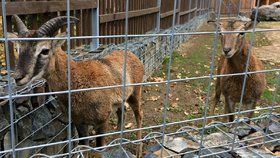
{"x": 22, "y": 29}
{"x": 51, "y": 26}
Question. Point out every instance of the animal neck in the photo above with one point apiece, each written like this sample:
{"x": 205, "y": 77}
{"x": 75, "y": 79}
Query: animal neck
{"x": 57, "y": 76}
{"x": 239, "y": 60}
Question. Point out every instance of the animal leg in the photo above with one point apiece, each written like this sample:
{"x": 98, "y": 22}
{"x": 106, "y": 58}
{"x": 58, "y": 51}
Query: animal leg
{"x": 82, "y": 132}
{"x": 251, "y": 107}
{"x": 119, "y": 114}
{"x": 102, "y": 128}
{"x": 216, "y": 99}
{"x": 134, "y": 102}
{"x": 229, "y": 108}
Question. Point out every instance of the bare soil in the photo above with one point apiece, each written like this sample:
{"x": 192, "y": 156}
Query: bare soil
{"x": 270, "y": 53}
{"x": 186, "y": 100}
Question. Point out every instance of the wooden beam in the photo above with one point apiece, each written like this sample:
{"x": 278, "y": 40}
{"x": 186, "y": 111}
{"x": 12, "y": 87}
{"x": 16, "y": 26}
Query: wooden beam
{"x": 267, "y": 2}
{"x": 164, "y": 15}
{"x": 121, "y": 15}
{"x": 34, "y": 7}
{"x": 188, "y": 11}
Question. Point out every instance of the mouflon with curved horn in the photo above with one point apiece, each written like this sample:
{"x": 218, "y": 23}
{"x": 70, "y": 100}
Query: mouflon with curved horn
{"x": 22, "y": 29}
{"x": 46, "y": 59}
{"x": 50, "y": 27}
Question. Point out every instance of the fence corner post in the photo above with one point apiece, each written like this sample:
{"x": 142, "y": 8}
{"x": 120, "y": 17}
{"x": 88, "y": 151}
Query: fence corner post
{"x": 158, "y": 16}
{"x": 95, "y": 26}
{"x": 179, "y": 15}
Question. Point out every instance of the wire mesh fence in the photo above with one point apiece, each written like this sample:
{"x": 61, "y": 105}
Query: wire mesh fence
{"x": 43, "y": 116}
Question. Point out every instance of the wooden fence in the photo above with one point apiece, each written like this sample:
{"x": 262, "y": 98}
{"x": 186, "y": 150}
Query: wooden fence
{"x": 143, "y": 15}
{"x": 233, "y": 7}
{"x": 268, "y": 2}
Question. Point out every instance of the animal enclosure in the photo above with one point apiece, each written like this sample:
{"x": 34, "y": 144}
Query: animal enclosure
{"x": 48, "y": 93}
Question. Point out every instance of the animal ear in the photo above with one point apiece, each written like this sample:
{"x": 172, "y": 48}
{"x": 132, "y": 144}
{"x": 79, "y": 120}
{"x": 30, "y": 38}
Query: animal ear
{"x": 12, "y": 35}
{"x": 59, "y": 42}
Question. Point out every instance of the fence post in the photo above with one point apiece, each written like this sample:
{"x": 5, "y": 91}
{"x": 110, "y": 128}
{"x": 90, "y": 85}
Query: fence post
{"x": 209, "y": 3}
{"x": 216, "y": 7}
{"x": 95, "y": 26}
{"x": 200, "y": 1}
{"x": 158, "y": 15}
{"x": 196, "y": 12}
{"x": 239, "y": 7}
{"x": 204, "y": 6}
{"x": 179, "y": 8}
{"x": 190, "y": 7}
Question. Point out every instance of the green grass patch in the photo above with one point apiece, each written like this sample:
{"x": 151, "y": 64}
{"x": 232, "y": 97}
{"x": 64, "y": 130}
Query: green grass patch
{"x": 259, "y": 39}
{"x": 268, "y": 24}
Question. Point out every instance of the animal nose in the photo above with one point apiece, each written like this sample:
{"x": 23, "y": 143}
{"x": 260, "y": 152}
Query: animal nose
{"x": 226, "y": 50}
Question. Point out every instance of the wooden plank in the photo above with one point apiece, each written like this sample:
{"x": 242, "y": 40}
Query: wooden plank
{"x": 179, "y": 8}
{"x": 10, "y": 46}
{"x": 79, "y": 27}
{"x": 164, "y": 15}
{"x": 33, "y": 7}
{"x": 121, "y": 15}
{"x": 188, "y": 11}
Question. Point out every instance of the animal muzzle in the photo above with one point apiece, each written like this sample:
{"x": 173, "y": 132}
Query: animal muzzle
{"x": 21, "y": 79}
{"x": 228, "y": 52}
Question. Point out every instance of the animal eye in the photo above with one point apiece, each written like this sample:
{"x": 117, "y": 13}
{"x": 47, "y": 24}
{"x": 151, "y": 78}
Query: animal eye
{"x": 45, "y": 52}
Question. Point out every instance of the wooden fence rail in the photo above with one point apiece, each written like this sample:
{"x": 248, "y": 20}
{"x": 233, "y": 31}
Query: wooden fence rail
{"x": 233, "y": 7}
{"x": 143, "y": 15}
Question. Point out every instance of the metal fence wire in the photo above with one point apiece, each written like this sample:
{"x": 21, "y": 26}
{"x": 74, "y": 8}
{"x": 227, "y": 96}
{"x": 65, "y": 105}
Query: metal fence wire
{"x": 47, "y": 130}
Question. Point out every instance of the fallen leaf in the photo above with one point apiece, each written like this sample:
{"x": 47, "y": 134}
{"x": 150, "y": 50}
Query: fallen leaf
{"x": 277, "y": 153}
{"x": 153, "y": 98}
{"x": 177, "y": 99}
{"x": 201, "y": 99}
{"x": 195, "y": 110}
{"x": 179, "y": 76}
{"x": 271, "y": 63}
{"x": 186, "y": 113}
{"x": 3, "y": 72}
{"x": 174, "y": 105}
{"x": 206, "y": 66}
{"x": 158, "y": 79}
{"x": 170, "y": 95}
{"x": 159, "y": 109}
{"x": 127, "y": 107}
{"x": 272, "y": 89}
{"x": 129, "y": 125}
{"x": 257, "y": 109}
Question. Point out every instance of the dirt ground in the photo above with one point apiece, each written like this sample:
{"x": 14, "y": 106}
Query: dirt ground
{"x": 186, "y": 100}
{"x": 270, "y": 53}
